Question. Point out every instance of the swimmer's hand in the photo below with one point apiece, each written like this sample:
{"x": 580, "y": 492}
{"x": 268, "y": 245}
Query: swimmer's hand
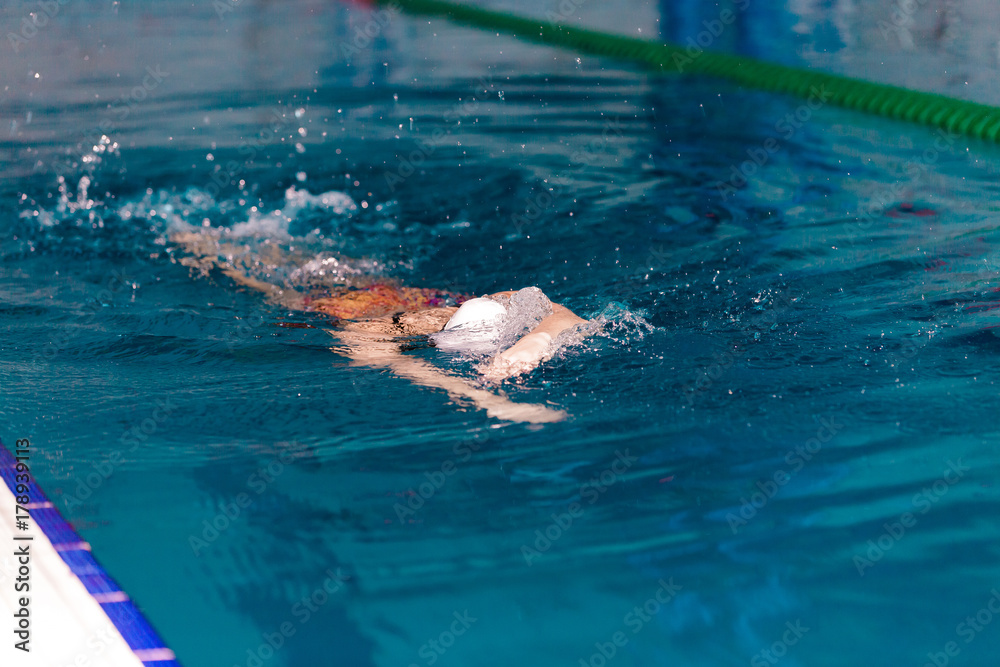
{"x": 523, "y": 412}
{"x": 533, "y": 348}
{"x": 522, "y": 357}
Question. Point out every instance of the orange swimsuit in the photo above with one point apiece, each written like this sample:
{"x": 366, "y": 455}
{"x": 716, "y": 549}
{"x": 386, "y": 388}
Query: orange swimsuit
{"x": 379, "y": 300}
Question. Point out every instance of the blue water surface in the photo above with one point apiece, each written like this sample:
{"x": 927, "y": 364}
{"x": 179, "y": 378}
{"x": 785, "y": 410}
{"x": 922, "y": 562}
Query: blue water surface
{"x": 781, "y": 446}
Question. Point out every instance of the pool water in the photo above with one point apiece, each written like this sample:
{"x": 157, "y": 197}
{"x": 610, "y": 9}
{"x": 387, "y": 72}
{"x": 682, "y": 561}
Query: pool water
{"x": 781, "y": 444}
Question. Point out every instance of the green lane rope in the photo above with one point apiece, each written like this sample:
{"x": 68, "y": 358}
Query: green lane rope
{"x": 957, "y": 116}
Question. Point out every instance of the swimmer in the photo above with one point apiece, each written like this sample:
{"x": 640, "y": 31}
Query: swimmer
{"x": 374, "y": 319}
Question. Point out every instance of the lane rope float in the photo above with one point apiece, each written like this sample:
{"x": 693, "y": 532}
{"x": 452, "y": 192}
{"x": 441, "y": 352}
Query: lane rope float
{"x": 979, "y": 121}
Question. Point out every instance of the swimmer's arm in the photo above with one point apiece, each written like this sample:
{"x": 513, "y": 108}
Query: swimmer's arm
{"x": 527, "y": 353}
{"x": 205, "y": 249}
{"x": 367, "y": 349}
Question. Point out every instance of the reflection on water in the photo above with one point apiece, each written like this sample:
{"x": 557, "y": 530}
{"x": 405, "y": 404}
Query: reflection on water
{"x": 791, "y": 365}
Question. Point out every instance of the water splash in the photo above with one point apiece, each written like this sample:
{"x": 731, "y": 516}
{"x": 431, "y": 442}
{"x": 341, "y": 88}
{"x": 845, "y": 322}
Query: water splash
{"x": 617, "y": 322}
{"x": 525, "y": 310}
{"x": 279, "y": 223}
{"x": 281, "y": 244}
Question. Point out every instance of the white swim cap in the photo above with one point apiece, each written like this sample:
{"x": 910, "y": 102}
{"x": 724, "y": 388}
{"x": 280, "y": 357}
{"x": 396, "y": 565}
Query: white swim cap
{"x": 477, "y": 312}
{"x": 473, "y": 328}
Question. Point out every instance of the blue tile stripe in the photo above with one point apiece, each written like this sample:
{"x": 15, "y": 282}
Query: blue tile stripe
{"x": 75, "y": 552}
